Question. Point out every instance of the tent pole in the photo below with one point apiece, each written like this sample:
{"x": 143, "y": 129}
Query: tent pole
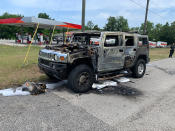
{"x": 63, "y": 36}
{"x": 52, "y": 34}
{"x": 25, "y": 59}
{"x": 22, "y": 34}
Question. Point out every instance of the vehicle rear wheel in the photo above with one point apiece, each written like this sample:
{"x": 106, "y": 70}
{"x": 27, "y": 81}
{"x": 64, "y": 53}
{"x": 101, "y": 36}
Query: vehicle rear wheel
{"x": 139, "y": 69}
{"x": 80, "y": 79}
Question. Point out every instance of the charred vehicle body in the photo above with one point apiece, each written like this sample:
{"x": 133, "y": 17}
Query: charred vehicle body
{"x": 94, "y": 55}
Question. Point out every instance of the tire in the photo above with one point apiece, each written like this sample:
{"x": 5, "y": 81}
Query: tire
{"x": 139, "y": 69}
{"x": 80, "y": 79}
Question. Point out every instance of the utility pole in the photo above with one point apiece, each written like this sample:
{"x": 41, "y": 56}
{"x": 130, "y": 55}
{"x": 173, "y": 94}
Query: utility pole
{"x": 146, "y": 17}
{"x": 83, "y": 15}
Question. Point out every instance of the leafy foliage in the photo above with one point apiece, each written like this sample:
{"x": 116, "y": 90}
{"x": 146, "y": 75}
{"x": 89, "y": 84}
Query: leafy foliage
{"x": 90, "y": 25}
{"x": 117, "y": 24}
{"x": 8, "y": 31}
{"x": 44, "y": 15}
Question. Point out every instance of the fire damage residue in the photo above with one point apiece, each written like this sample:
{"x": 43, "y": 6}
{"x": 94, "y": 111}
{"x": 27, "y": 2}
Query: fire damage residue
{"x": 35, "y": 88}
{"x": 120, "y": 90}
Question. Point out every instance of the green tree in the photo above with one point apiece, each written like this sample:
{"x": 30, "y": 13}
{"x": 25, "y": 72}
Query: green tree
{"x": 173, "y": 31}
{"x": 44, "y": 15}
{"x": 167, "y": 33}
{"x": 157, "y": 31}
{"x": 90, "y": 25}
{"x": 111, "y": 24}
{"x": 149, "y": 31}
{"x": 122, "y": 24}
{"x": 117, "y": 24}
{"x": 8, "y": 32}
{"x": 135, "y": 29}
{"x": 96, "y": 28}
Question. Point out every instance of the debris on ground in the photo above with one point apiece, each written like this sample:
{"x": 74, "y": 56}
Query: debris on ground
{"x": 103, "y": 84}
{"x": 14, "y": 92}
{"x": 34, "y": 88}
{"x": 119, "y": 90}
{"x": 31, "y": 88}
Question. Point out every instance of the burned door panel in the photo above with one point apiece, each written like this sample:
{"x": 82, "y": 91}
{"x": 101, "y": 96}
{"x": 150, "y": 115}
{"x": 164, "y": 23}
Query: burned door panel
{"x": 112, "y": 57}
{"x": 143, "y": 46}
{"x": 130, "y": 50}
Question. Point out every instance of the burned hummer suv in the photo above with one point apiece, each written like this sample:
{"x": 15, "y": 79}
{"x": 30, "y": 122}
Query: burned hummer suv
{"x": 93, "y": 55}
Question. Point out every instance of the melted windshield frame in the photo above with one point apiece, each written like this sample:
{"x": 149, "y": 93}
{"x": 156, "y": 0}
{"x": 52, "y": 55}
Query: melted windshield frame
{"x": 85, "y": 38}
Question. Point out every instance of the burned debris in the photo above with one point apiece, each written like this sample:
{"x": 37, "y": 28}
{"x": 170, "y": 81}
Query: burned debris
{"x": 34, "y": 88}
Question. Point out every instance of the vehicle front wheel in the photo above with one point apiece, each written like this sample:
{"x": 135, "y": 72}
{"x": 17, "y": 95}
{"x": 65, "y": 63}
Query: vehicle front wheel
{"x": 139, "y": 68}
{"x": 80, "y": 79}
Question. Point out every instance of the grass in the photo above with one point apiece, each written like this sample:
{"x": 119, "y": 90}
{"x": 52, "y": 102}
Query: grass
{"x": 12, "y": 73}
{"x": 159, "y": 53}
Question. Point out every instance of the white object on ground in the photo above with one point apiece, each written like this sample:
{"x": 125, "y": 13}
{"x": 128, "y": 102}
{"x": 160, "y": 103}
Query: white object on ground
{"x": 122, "y": 80}
{"x": 104, "y": 84}
{"x": 14, "y": 92}
{"x": 18, "y": 91}
{"x": 124, "y": 72}
{"x": 56, "y": 85}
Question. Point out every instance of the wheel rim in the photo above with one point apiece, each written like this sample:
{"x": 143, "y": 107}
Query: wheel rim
{"x": 84, "y": 79}
{"x": 141, "y": 68}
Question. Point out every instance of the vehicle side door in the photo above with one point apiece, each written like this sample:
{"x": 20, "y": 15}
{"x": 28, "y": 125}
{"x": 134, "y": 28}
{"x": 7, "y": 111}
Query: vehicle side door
{"x": 112, "y": 53}
{"x": 130, "y": 43}
{"x": 143, "y": 46}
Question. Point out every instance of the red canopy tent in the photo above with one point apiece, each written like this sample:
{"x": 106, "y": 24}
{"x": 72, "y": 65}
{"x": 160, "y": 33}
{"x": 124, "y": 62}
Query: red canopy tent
{"x": 44, "y": 23}
{"x": 38, "y": 23}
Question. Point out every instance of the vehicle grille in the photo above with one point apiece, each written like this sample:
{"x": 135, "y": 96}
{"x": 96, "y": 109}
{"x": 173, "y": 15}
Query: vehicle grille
{"x": 45, "y": 62}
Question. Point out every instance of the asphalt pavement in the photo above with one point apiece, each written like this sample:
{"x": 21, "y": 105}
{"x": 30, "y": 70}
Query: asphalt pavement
{"x": 141, "y": 104}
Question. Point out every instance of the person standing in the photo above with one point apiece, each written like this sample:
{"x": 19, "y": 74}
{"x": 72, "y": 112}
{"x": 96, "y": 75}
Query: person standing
{"x": 171, "y": 50}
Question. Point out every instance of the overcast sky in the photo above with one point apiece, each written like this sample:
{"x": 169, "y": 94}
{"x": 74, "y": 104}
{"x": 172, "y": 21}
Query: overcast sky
{"x": 98, "y": 11}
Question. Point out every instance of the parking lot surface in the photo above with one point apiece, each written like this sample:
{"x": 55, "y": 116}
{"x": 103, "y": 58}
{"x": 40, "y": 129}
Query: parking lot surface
{"x": 142, "y": 104}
